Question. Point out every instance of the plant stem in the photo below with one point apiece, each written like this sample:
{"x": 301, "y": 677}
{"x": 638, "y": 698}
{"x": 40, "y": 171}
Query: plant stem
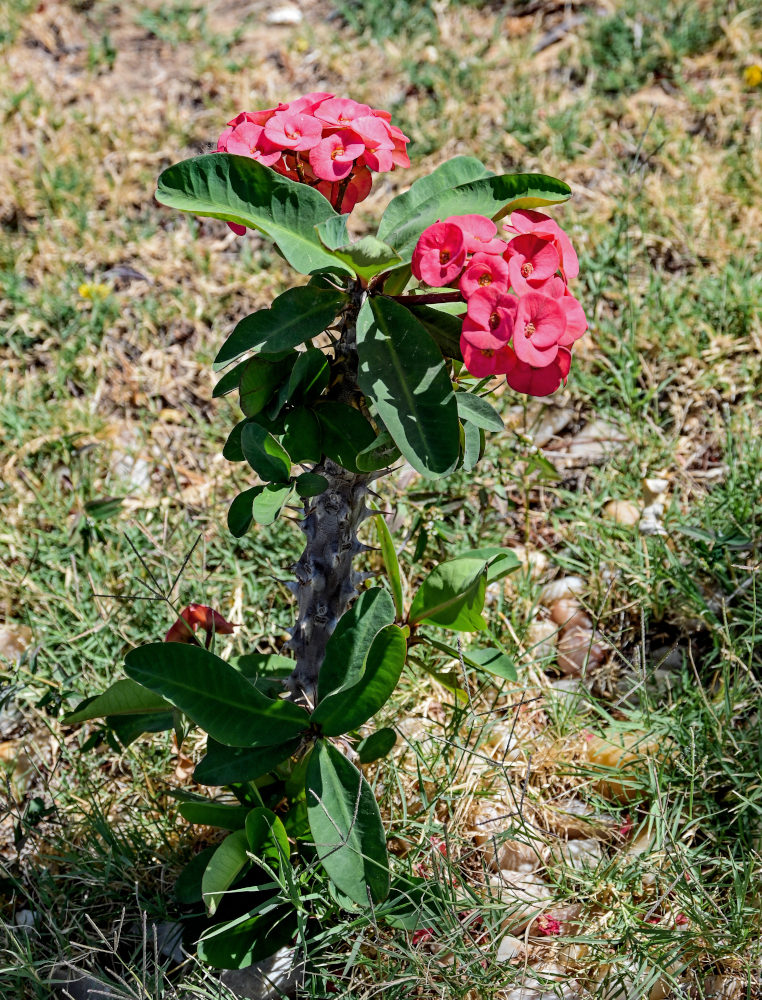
{"x": 431, "y": 297}
{"x": 325, "y": 580}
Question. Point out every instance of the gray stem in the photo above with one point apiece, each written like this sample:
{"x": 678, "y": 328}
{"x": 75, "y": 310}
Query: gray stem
{"x": 326, "y": 583}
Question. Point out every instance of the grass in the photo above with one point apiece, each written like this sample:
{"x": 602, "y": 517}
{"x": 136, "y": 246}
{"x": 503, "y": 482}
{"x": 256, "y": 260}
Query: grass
{"x": 111, "y": 310}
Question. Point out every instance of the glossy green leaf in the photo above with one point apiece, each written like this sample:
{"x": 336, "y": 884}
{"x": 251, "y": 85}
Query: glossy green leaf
{"x": 402, "y": 371}
{"x": 346, "y": 826}
{"x": 443, "y": 328}
{"x": 391, "y": 562}
{"x": 267, "y": 837}
{"x": 380, "y": 454}
{"x": 478, "y": 411}
{"x": 349, "y": 707}
{"x": 270, "y": 502}
{"x": 225, "y": 765}
{"x": 493, "y": 660}
{"x": 261, "y": 378}
{"x": 266, "y": 671}
{"x": 230, "y": 380}
{"x": 450, "y": 174}
{"x": 188, "y": 884}
{"x": 333, "y": 232}
{"x": 238, "y": 189}
{"x": 493, "y": 196}
{"x": 232, "y": 450}
{"x": 227, "y": 817}
{"x": 345, "y": 432}
{"x": 123, "y": 697}
{"x": 348, "y": 647}
{"x": 452, "y": 595}
{"x": 309, "y": 377}
{"x": 267, "y": 457}
{"x": 127, "y": 728}
{"x": 302, "y": 437}
{"x": 296, "y": 316}
{"x": 500, "y": 561}
{"x": 310, "y": 484}
{"x": 376, "y": 746}
{"x": 240, "y": 512}
{"x": 237, "y": 944}
{"x": 214, "y": 695}
{"x": 225, "y": 866}
{"x": 368, "y": 256}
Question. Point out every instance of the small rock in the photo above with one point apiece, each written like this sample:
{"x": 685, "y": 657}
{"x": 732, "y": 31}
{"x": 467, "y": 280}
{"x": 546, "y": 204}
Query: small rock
{"x": 622, "y": 512}
{"x": 575, "y": 819}
{"x": 540, "y": 643}
{"x": 71, "y": 983}
{"x": 514, "y": 856}
{"x": 510, "y": 947}
{"x": 14, "y": 642}
{"x": 285, "y": 15}
{"x": 580, "y": 853}
{"x": 564, "y": 587}
{"x": 270, "y": 979}
{"x": 524, "y": 896}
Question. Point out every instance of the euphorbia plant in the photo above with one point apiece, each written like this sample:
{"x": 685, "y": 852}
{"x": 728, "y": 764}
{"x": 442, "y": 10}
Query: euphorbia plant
{"x": 346, "y": 373}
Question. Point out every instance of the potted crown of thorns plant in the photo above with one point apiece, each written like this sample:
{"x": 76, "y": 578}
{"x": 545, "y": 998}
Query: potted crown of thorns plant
{"x": 384, "y": 354}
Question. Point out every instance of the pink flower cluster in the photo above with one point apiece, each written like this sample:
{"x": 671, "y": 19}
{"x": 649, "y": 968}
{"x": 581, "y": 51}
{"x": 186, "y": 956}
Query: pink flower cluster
{"x": 521, "y": 320}
{"x": 331, "y": 143}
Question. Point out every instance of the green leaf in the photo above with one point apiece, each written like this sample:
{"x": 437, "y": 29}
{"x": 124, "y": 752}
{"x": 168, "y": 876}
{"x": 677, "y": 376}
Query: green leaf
{"x": 230, "y": 380}
{"x": 127, "y": 728}
{"x": 443, "y": 328}
{"x": 124, "y": 697}
{"x": 471, "y": 445}
{"x": 302, "y": 438}
{"x": 232, "y": 450}
{"x": 224, "y": 765}
{"x": 266, "y": 671}
{"x": 391, "y": 562}
{"x": 450, "y": 174}
{"x": 376, "y": 746}
{"x": 267, "y": 837}
{"x": 103, "y": 508}
{"x": 240, "y": 512}
{"x": 500, "y": 562}
{"x": 188, "y": 884}
{"x": 261, "y": 377}
{"x": 333, "y": 232}
{"x": 224, "y": 867}
{"x": 214, "y": 695}
{"x": 264, "y": 454}
{"x": 368, "y": 256}
{"x": 493, "y": 196}
{"x": 380, "y": 453}
{"x": 309, "y": 377}
{"x": 493, "y": 660}
{"x": 298, "y": 315}
{"x": 346, "y": 826}
{"x": 270, "y": 502}
{"x": 478, "y": 411}
{"x": 348, "y": 647}
{"x": 310, "y": 484}
{"x": 345, "y": 432}
{"x": 452, "y": 595}
{"x": 237, "y": 944}
{"x": 402, "y": 371}
{"x": 228, "y": 817}
{"x": 238, "y": 189}
{"x": 349, "y": 707}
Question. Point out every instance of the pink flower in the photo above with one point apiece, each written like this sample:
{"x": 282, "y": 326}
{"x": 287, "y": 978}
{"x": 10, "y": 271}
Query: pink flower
{"x": 531, "y": 260}
{"x": 307, "y": 104}
{"x": 479, "y": 232}
{"x": 489, "y": 322}
{"x": 257, "y": 117}
{"x": 379, "y": 146}
{"x": 540, "y": 325}
{"x": 482, "y": 270}
{"x": 340, "y": 111}
{"x": 439, "y": 255}
{"x": 332, "y": 157}
{"x": 191, "y": 618}
{"x": 423, "y": 936}
{"x": 482, "y": 363}
{"x": 292, "y": 130}
{"x": 576, "y": 321}
{"x": 540, "y": 381}
{"x": 248, "y": 139}
{"x": 547, "y": 925}
{"x": 525, "y": 221}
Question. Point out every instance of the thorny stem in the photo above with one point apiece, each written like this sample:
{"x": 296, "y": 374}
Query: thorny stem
{"x": 432, "y": 297}
{"x": 325, "y": 581}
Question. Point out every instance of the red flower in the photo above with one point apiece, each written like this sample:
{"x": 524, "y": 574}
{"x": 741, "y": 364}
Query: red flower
{"x": 540, "y": 381}
{"x": 531, "y": 260}
{"x": 482, "y": 270}
{"x": 490, "y": 320}
{"x": 332, "y": 158}
{"x": 524, "y": 221}
{"x": 486, "y": 362}
{"x": 480, "y": 233}
{"x": 191, "y": 618}
{"x": 293, "y": 130}
{"x": 439, "y": 255}
{"x": 539, "y": 327}
{"x": 547, "y": 925}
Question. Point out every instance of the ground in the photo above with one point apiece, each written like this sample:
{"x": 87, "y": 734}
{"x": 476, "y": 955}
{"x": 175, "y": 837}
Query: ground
{"x": 642, "y": 482}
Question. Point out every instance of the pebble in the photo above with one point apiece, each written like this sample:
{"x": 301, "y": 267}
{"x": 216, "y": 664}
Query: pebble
{"x": 622, "y": 512}
{"x": 285, "y": 15}
{"x": 565, "y": 586}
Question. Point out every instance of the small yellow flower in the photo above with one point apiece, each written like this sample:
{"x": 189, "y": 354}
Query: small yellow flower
{"x": 94, "y": 292}
{"x": 753, "y": 75}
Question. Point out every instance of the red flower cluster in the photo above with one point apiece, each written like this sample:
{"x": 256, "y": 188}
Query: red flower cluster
{"x": 521, "y": 319}
{"x": 331, "y": 143}
{"x": 197, "y": 616}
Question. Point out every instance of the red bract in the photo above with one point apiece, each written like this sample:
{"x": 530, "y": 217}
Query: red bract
{"x": 439, "y": 254}
{"x": 539, "y": 381}
{"x": 539, "y": 327}
{"x": 480, "y": 233}
{"x": 531, "y": 260}
{"x": 331, "y": 143}
{"x": 547, "y": 925}
{"x": 483, "y": 270}
{"x": 525, "y": 221}
{"x": 193, "y": 617}
{"x": 489, "y": 322}
{"x": 485, "y": 362}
